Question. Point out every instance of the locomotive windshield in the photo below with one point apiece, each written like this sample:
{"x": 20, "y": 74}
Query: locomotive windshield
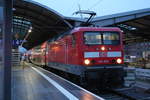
{"x": 95, "y": 38}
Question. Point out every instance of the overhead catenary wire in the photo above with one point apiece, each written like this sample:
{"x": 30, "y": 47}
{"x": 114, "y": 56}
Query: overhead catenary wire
{"x": 95, "y": 4}
{"x": 80, "y": 10}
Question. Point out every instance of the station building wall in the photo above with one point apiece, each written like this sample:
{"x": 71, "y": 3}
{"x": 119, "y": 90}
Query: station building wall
{"x": 137, "y": 49}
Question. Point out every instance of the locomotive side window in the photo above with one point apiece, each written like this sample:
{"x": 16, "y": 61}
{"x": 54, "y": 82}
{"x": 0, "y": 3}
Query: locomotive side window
{"x": 111, "y": 38}
{"x": 73, "y": 41}
{"x": 92, "y": 38}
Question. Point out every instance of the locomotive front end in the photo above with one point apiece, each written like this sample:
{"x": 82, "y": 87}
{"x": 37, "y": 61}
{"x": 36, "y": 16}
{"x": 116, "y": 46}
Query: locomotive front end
{"x": 102, "y": 55}
{"x": 102, "y": 48}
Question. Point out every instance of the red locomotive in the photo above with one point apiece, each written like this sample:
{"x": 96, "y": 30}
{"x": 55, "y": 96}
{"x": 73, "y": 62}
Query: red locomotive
{"x": 88, "y": 52}
{"x": 91, "y": 53}
{"x": 88, "y": 46}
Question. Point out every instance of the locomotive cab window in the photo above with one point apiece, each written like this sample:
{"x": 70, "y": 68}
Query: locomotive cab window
{"x": 96, "y": 38}
{"x": 111, "y": 38}
{"x": 92, "y": 38}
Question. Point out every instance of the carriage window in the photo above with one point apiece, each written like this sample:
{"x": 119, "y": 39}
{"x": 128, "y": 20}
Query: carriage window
{"x": 111, "y": 38}
{"x": 92, "y": 38}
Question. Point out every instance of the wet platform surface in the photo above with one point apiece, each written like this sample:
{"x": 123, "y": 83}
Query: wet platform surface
{"x": 33, "y": 83}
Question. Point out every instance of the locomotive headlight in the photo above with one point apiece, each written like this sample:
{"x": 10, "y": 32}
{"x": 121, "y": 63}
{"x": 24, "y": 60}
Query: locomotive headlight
{"x": 119, "y": 61}
{"x": 87, "y": 61}
{"x": 102, "y": 48}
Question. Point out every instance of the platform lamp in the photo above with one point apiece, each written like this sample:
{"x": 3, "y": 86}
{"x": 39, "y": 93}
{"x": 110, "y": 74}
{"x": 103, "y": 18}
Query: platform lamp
{"x": 24, "y": 40}
{"x": 22, "y": 49}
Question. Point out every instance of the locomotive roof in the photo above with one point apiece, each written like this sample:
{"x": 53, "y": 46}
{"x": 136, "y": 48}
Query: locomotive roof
{"x": 96, "y": 29}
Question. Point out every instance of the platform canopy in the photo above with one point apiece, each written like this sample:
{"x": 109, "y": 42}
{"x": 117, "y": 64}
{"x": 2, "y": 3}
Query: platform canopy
{"x": 36, "y": 23}
{"x": 135, "y": 24}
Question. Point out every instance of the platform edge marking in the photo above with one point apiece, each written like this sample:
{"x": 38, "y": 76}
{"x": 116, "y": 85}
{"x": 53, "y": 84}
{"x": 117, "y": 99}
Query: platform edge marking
{"x": 75, "y": 85}
{"x": 59, "y": 87}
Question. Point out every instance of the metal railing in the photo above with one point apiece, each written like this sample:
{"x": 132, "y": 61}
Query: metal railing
{"x": 16, "y": 58}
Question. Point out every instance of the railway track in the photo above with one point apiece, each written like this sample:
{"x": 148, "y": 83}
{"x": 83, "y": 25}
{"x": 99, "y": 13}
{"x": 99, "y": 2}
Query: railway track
{"x": 125, "y": 94}
{"x": 112, "y": 96}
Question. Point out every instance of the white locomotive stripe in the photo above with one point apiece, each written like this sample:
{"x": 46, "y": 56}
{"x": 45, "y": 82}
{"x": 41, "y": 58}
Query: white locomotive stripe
{"x": 91, "y": 54}
{"x": 59, "y": 87}
{"x": 99, "y": 54}
{"x": 114, "y": 54}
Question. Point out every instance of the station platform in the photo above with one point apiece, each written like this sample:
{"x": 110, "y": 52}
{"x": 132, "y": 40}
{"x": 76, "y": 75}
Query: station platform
{"x": 34, "y": 83}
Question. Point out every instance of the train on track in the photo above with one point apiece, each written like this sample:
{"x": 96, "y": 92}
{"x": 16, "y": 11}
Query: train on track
{"x": 92, "y": 54}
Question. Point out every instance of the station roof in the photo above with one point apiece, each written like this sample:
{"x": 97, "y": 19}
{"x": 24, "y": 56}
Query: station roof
{"x": 135, "y": 24}
{"x": 43, "y": 21}
{"x": 47, "y": 23}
